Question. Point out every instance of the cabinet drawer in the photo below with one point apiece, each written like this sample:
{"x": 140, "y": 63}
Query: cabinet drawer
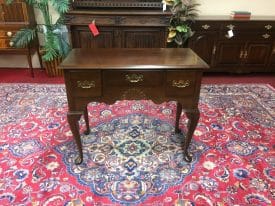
{"x": 242, "y": 35}
{"x": 85, "y": 84}
{"x": 133, "y": 78}
{"x": 7, "y": 33}
{"x": 5, "y": 43}
{"x": 249, "y": 26}
{"x": 207, "y": 26}
{"x": 180, "y": 83}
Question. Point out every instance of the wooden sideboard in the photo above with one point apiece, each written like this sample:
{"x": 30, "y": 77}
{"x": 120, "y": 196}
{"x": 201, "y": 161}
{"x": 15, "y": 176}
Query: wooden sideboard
{"x": 119, "y": 28}
{"x": 13, "y": 17}
{"x": 107, "y": 75}
{"x": 251, "y": 49}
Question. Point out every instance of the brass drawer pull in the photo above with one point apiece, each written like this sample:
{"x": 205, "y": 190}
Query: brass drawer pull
{"x": 180, "y": 83}
{"x": 268, "y": 27}
{"x": 134, "y": 78}
{"x": 86, "y": 84}
{"x": 241, "y": 54}
{"x": 266, "y": 36}
{"x": 205, "y": 26}
{"x": 245, "y": 55}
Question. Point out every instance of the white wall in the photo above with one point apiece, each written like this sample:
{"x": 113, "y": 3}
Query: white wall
{"x": 207, "y": 7}
{"x": 224, "y": 7}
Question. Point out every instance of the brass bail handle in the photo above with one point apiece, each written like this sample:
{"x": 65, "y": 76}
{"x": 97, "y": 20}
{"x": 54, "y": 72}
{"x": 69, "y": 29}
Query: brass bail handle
{"x": 86, "y": 84}
{"x": 134, "y": 78}
{"x": 180, "y": 83}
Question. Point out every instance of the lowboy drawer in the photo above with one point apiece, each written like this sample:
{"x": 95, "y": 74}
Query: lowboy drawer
{"x": 86, "y": 83}
{"x": 133, "y": 78}
{"x": 7, "y": 33}
{"x": 180, "y": 83}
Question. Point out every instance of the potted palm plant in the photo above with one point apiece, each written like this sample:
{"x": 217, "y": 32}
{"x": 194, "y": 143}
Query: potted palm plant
{"x": 55, "y": 45}
{"x": 183, "y": 14}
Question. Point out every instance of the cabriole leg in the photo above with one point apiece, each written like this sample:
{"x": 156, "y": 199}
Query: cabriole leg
{"x": 73, "y": 118}
{"x": 193, "y": 118}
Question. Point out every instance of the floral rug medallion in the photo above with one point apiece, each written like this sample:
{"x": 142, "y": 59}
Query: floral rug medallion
{"x": 131, "y": 158}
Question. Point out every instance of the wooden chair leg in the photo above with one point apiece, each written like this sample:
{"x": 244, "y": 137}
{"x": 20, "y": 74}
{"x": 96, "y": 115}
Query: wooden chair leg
{"x": 29, "y": 56}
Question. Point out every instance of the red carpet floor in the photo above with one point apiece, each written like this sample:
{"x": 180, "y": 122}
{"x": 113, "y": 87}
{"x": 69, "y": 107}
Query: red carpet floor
{"x": 132, "y": 157}
{"x": 23, "y": 75}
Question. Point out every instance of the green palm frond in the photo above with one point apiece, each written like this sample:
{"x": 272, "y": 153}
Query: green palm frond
{"x": 31, "y": 2}
{"x": 60, "y": 20}
{"x": 61, "y": 6}
{"x": 55, "y": 44}
{"x": 9, "y": 1}
{"x": 28, "y": 1}
{"x": 50, "y": 48}
{"x": 61, "y": 44}
{"x": 23, "y": 37}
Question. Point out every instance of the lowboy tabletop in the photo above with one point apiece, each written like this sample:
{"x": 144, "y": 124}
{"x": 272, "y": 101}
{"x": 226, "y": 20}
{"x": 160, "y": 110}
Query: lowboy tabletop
{"x": 136, "y": 58}
{"x": 110, "y": 74}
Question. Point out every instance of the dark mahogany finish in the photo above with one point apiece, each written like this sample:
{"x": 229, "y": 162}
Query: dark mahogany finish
{"x": 251, "y": 49}
{"x": 14, "y": 17}
{"x": 119, "y": 28}
{"x": 107, "y": 75}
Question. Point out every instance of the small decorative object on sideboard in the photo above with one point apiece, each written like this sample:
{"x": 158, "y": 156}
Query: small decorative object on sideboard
{"x": 240, "y": 15}
{"x": 55, "y": 43}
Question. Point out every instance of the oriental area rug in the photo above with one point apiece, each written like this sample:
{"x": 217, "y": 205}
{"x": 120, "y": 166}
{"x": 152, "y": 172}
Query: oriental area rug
{"x": 132, "y": 156}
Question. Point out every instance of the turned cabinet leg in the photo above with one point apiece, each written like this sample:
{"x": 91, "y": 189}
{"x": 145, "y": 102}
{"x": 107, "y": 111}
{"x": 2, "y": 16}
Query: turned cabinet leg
{"x": 73, "y": 119}
{"x": 29, "y": 56}
{"x": 38, "y": 53}
{"x": 193, "y": 118}
{"x": 40, "y": 59}
{"x": 86, "y": 117}
{"x": 178, "y": 113}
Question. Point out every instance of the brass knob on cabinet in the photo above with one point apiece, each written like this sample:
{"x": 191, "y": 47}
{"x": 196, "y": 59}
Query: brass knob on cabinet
{"x": 9, "y": 33}
{"x": 266, "y": 36}
{"x": 205, "y": 26}
{"x": 11, "y": 43}
{"x": 214, "y": 50}
{"x": 241, "y": 54}
{"x": 268, "y": 27}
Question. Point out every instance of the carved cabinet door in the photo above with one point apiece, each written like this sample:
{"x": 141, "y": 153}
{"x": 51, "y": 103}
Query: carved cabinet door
{"x": 143, "y": 37}
{"x": 83, "y": 38}
{"x": 203, "y": 43}
{"x": 256, "y": 54}
{"x": 271, "y": 65}
{"x": 229, "y": 54}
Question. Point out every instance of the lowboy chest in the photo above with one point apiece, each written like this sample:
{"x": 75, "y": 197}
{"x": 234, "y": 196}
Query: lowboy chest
{"x": 110, "y": 74}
